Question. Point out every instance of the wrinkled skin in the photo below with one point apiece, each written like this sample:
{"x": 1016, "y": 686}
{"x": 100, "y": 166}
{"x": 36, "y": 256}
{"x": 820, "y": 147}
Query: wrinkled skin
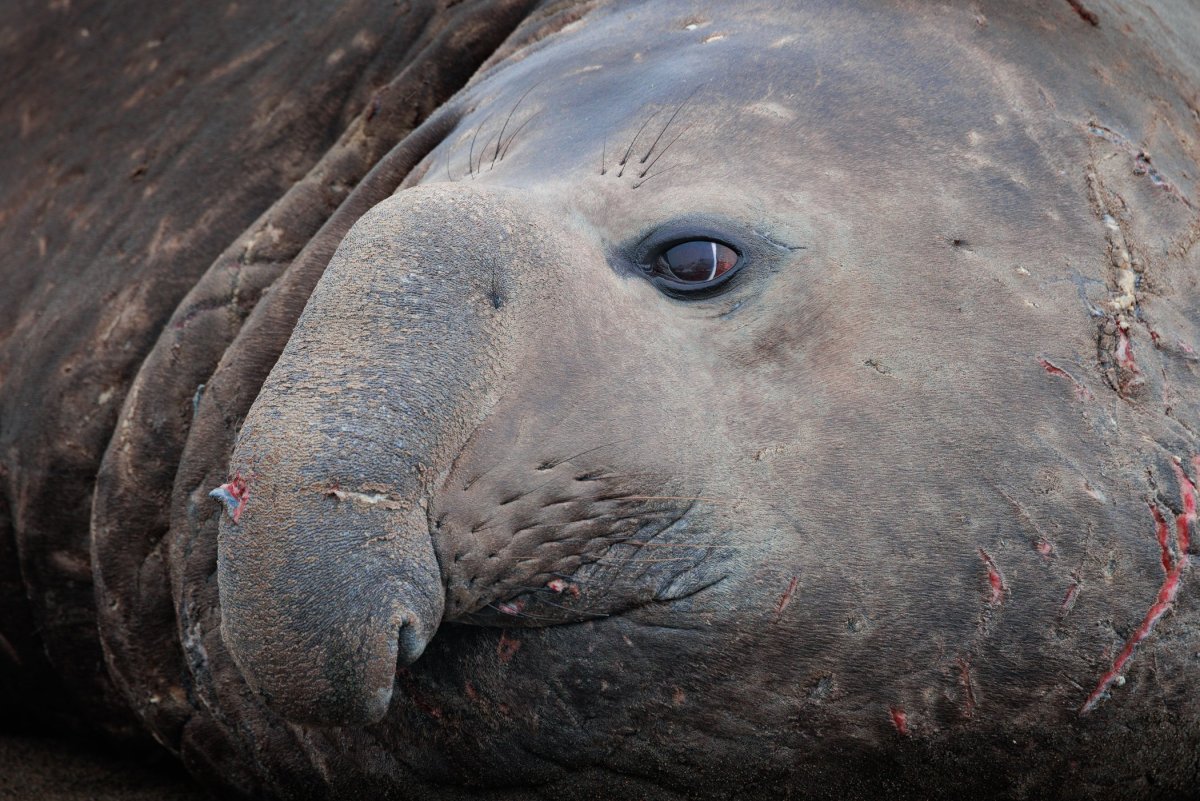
{"x": 905, "y": 507}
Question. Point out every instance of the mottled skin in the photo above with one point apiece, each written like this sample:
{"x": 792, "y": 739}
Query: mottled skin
{"x": 880, "y": 518}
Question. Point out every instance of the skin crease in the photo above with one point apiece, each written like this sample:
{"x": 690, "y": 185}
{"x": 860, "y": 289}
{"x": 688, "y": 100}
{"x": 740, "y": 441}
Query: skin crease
{"x": 842, "y": 501}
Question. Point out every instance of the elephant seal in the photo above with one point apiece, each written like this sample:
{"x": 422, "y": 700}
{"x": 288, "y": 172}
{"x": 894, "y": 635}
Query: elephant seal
{"x": 722, "y": 400}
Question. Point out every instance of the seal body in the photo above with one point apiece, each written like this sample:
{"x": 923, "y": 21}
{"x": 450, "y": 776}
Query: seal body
{"x": 895, "y": 493}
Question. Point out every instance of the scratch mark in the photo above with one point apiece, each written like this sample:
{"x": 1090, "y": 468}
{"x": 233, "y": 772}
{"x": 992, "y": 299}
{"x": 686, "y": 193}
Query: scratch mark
{"x": 1084, "y": 14}
{"x": 1081, "y": 392}
{"x": 786, "y": 598}
{"x": 899, "y": 719}
{"x": 511, "y": 607}
{"x": 507, "y": 647}
{"x": 964, "y": 676}
{"x": 1141, "y": 159}
{"x": 380, "y": 499}
{"x": 1068, "y": 601}
{"x": 995, "y": 579}
{"x": 1174, "y": 561}
{"x": 1115, "y": 350}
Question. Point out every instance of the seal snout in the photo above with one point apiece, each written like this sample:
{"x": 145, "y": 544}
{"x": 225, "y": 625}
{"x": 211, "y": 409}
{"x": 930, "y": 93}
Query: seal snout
{"x": 326, "y": 563}
{"x": 324, "y": 598}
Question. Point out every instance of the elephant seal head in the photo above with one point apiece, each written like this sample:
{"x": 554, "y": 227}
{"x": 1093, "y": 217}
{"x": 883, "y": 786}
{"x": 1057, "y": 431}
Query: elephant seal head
{"x": 692, "y": 398}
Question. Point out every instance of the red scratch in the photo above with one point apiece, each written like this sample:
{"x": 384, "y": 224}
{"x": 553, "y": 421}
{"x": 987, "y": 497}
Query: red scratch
{"x": 511, "y": 607}
{"x": 995, "y": 579}
{"x": 1081, "y": 392}
{"x": 786, "y": 598}
{"x": 1044, "y": 548}
{"x": 412, "y": 693}
{"x": 1174, "y": 563}
{"x": 507, "y": 647}
{"x": 899, "y": 719}
{"x": 233, "y": 495}
{"x": 1166, "y": 596}
{"x": 1162, "y": 533}
{"x": 1187, "y": 494}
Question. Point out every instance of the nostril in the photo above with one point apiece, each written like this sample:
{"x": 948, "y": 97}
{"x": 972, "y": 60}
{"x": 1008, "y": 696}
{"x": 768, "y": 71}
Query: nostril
{"x": 410, "y": 644}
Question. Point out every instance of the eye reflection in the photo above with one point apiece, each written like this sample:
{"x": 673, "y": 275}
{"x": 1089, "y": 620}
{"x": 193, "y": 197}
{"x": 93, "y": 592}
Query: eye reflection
{"x": 698, "y": 261}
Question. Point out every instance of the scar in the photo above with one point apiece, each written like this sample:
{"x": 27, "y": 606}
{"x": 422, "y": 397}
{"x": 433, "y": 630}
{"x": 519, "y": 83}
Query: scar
{"x": 899, "y": 719}
{"x": 964, "y": 676}
{"x": 233, "y": 496}
{"x": 1081, "y": 392}
{"x": 1175, "y": 560}
{"x": 995, "y": 579}
{"x": 380, "y": 499}
{"x": 786, "y": 598}
{"x": 1068, "y": 601}
{"x": 1084, "y": 14}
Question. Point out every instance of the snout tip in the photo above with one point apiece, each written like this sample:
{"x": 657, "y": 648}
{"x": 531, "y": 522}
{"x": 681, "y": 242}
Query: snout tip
{"x": 333, "y": 682}
{"x": 319, "y": 625}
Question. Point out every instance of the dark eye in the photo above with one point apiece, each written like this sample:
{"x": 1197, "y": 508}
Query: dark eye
{"x": 700, "y": 262}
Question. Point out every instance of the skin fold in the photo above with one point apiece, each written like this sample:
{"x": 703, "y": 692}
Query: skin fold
{"x": 905, "y": 507}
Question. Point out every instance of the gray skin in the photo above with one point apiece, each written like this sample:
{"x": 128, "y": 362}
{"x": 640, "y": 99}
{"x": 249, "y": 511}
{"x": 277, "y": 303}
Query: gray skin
{"x": 903, "y": 509}
{"x": 878, "y": 515}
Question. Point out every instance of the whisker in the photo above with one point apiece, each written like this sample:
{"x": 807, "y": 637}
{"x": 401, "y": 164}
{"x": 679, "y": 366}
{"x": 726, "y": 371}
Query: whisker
{"x": 471, "y": 151}
{"x": 664, "y": 150}
{"x": 503, "y": 127}
{"x": 645, "y": 561}
{"x": 482, "y": 156}
{"x": 678, "y": 109}
{"x": 636, "y": 184}
{"x": 685, "y": 545}
{"x": 528, "y": 616}
{"x": 513, "y": 135}
{"x": 680, "y": 498}
{"x": 591, "y": 450}
{"x": 633, "y": 142}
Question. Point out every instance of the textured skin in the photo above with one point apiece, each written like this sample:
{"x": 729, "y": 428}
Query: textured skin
{"x": 907, "y": 511}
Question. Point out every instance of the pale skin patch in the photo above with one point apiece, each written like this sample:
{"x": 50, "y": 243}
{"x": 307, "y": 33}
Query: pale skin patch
{"x": 771, "y": 110}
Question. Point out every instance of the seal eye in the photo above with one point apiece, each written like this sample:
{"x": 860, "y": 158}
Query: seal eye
{"x": 698, "y": 262}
